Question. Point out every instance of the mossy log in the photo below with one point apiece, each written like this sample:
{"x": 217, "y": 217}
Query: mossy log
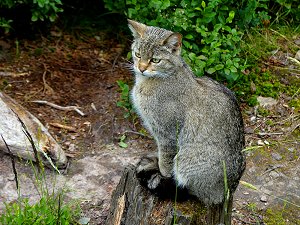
{"x": 133, "y": 204}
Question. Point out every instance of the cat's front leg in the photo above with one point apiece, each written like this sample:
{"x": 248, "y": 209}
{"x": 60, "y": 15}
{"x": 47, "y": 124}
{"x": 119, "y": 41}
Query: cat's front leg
{"x": 166, "y": 154}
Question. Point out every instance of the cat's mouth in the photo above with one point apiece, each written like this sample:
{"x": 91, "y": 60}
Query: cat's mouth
{"x": 145, "y": 73}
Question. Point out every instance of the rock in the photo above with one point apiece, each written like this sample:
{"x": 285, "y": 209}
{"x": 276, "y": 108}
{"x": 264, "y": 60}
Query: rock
{"x": 72, "y": 147}
{"x": 263, "y": 198}
{"x": 297, "y": 42}
{"x": 266, "y": 101}
{"x": 276, "y": 156}
{"x": 297, "y": 56}
{"x": 12, "y": 115}
{"x": 84, "y": 220}
{"x": 274, "y": 174}
{"x": 249, "y": 130}
{"x": 260, "y": 143}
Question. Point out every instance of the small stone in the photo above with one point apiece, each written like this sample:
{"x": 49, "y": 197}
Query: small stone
{"x": 84, "y": 220}
{"x": 56, "y": 33}
{"x": 297, "y": 56}
{"x": 276, "y": 156}
{"x": 246, "y": 193}
{"x": 291, "y": 149}
{"x": 263, "y": 198}
{"x": 72, "y": 147}
{"x": 73, "y": 137}
{"x": 11, "y": 178}
{"x": 297, "y": 42}
{"x": 253, "y": 118}
{"x": 274, "y": 174}
{"x": 249, "y": 130}
{"x": 266, "y": 101}
{"x": 260, "y": 142}
{"x": 266, "y": 142}
{"x": 93, "y": 107}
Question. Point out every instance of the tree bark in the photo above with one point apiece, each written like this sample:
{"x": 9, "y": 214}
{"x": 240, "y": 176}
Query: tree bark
{"x": 133, "y": 204}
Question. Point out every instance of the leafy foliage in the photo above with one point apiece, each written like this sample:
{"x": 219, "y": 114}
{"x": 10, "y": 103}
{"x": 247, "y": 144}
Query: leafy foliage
{"x": 5, "y": 24}
{"x": 124, "y": 101}
{"x": 40, "y": 10}
{"x": 48, "y": 210}
{"x": 212, "y": 29}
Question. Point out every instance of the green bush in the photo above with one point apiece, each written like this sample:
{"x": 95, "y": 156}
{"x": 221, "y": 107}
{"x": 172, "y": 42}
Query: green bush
{"x": 212, "y": 29}
{"x": 49, "y": 210}
{"x": 40, "y": 10}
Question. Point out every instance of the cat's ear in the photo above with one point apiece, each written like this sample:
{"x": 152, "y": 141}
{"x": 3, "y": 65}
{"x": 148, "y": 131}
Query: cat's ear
{"x": 174, "y": 41}
{"x": 138, "y": 29}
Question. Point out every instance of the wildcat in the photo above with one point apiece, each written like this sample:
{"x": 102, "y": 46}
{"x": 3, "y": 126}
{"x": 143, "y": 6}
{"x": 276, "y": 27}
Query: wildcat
{"x": 196, "y": 122}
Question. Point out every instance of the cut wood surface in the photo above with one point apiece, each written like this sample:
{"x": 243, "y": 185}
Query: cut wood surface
{"x": 12, "y": 115}
{"x": 133, "y": 204}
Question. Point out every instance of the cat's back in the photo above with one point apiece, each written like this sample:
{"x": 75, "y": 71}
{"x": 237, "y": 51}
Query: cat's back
{"x": 213, "y": 88}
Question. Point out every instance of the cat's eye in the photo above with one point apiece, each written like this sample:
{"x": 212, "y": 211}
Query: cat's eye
{"x": 154, "y": 60}
{"x": 137, "y": 54}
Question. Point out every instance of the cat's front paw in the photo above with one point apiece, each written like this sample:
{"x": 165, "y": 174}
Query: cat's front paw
{"x": 147, "y": 166}
{"x": 154, "y": 181}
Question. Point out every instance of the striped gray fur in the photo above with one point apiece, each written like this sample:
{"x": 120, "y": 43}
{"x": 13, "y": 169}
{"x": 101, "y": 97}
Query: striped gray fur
{"x": 196, "y": 122}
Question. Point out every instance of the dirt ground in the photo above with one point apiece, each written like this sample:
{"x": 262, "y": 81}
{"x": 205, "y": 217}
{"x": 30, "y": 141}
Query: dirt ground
{"x": 83, "y": 71}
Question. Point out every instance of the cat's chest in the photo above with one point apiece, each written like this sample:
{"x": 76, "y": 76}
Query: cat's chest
{"x": 145, "y": 99}
{"x": 155, "y": 105}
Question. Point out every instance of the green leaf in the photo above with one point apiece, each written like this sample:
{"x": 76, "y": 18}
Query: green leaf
{"x": 192, "y": 56}
{"x": 189, "y": 36}
{"x": 203, "y": 57}
{"x": 123, "y": 145}
{"x": 34, "y": 18}
{"x": 227, "y": 71}
{"x": 233, "y": 69}
{"x": 219, "y": 66}
{"x": 231, "y": 16}
{"x": 211, "y": 70}
{"x": 203, "y": 4}
{"x": 218, "y": 27}
{"x": 120, "y": 104}
{"x": 186, "y": 44}
{"x": 165, "y": 4}
{"x": 248, "y": 185}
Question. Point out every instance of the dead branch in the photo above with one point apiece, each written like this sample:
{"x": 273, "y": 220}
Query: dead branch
{"x": 64, "y": 108}
{"x": 270, "y": 134}
{"x": 80, "y": 71}
{"x": 65, "y": 127}
{"x": 46, "y": 86}
{"x": 12, "y": 74}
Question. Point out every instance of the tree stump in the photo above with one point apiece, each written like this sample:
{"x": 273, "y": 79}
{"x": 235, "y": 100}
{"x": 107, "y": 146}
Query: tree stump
{"x": 134, "y": 204}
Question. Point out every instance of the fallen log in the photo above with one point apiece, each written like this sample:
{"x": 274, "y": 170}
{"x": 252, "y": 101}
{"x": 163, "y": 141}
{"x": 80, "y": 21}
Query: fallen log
{"x": 18, "y": 126}
{"x": 133, "y": 204}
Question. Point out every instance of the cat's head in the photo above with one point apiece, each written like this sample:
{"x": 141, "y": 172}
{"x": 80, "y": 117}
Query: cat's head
{"x": 155, "y": 51}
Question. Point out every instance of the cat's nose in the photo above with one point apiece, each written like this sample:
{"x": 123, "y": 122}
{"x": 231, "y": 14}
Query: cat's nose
{"x": 143, "y": 67}
{"x": 142, "y": 70}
